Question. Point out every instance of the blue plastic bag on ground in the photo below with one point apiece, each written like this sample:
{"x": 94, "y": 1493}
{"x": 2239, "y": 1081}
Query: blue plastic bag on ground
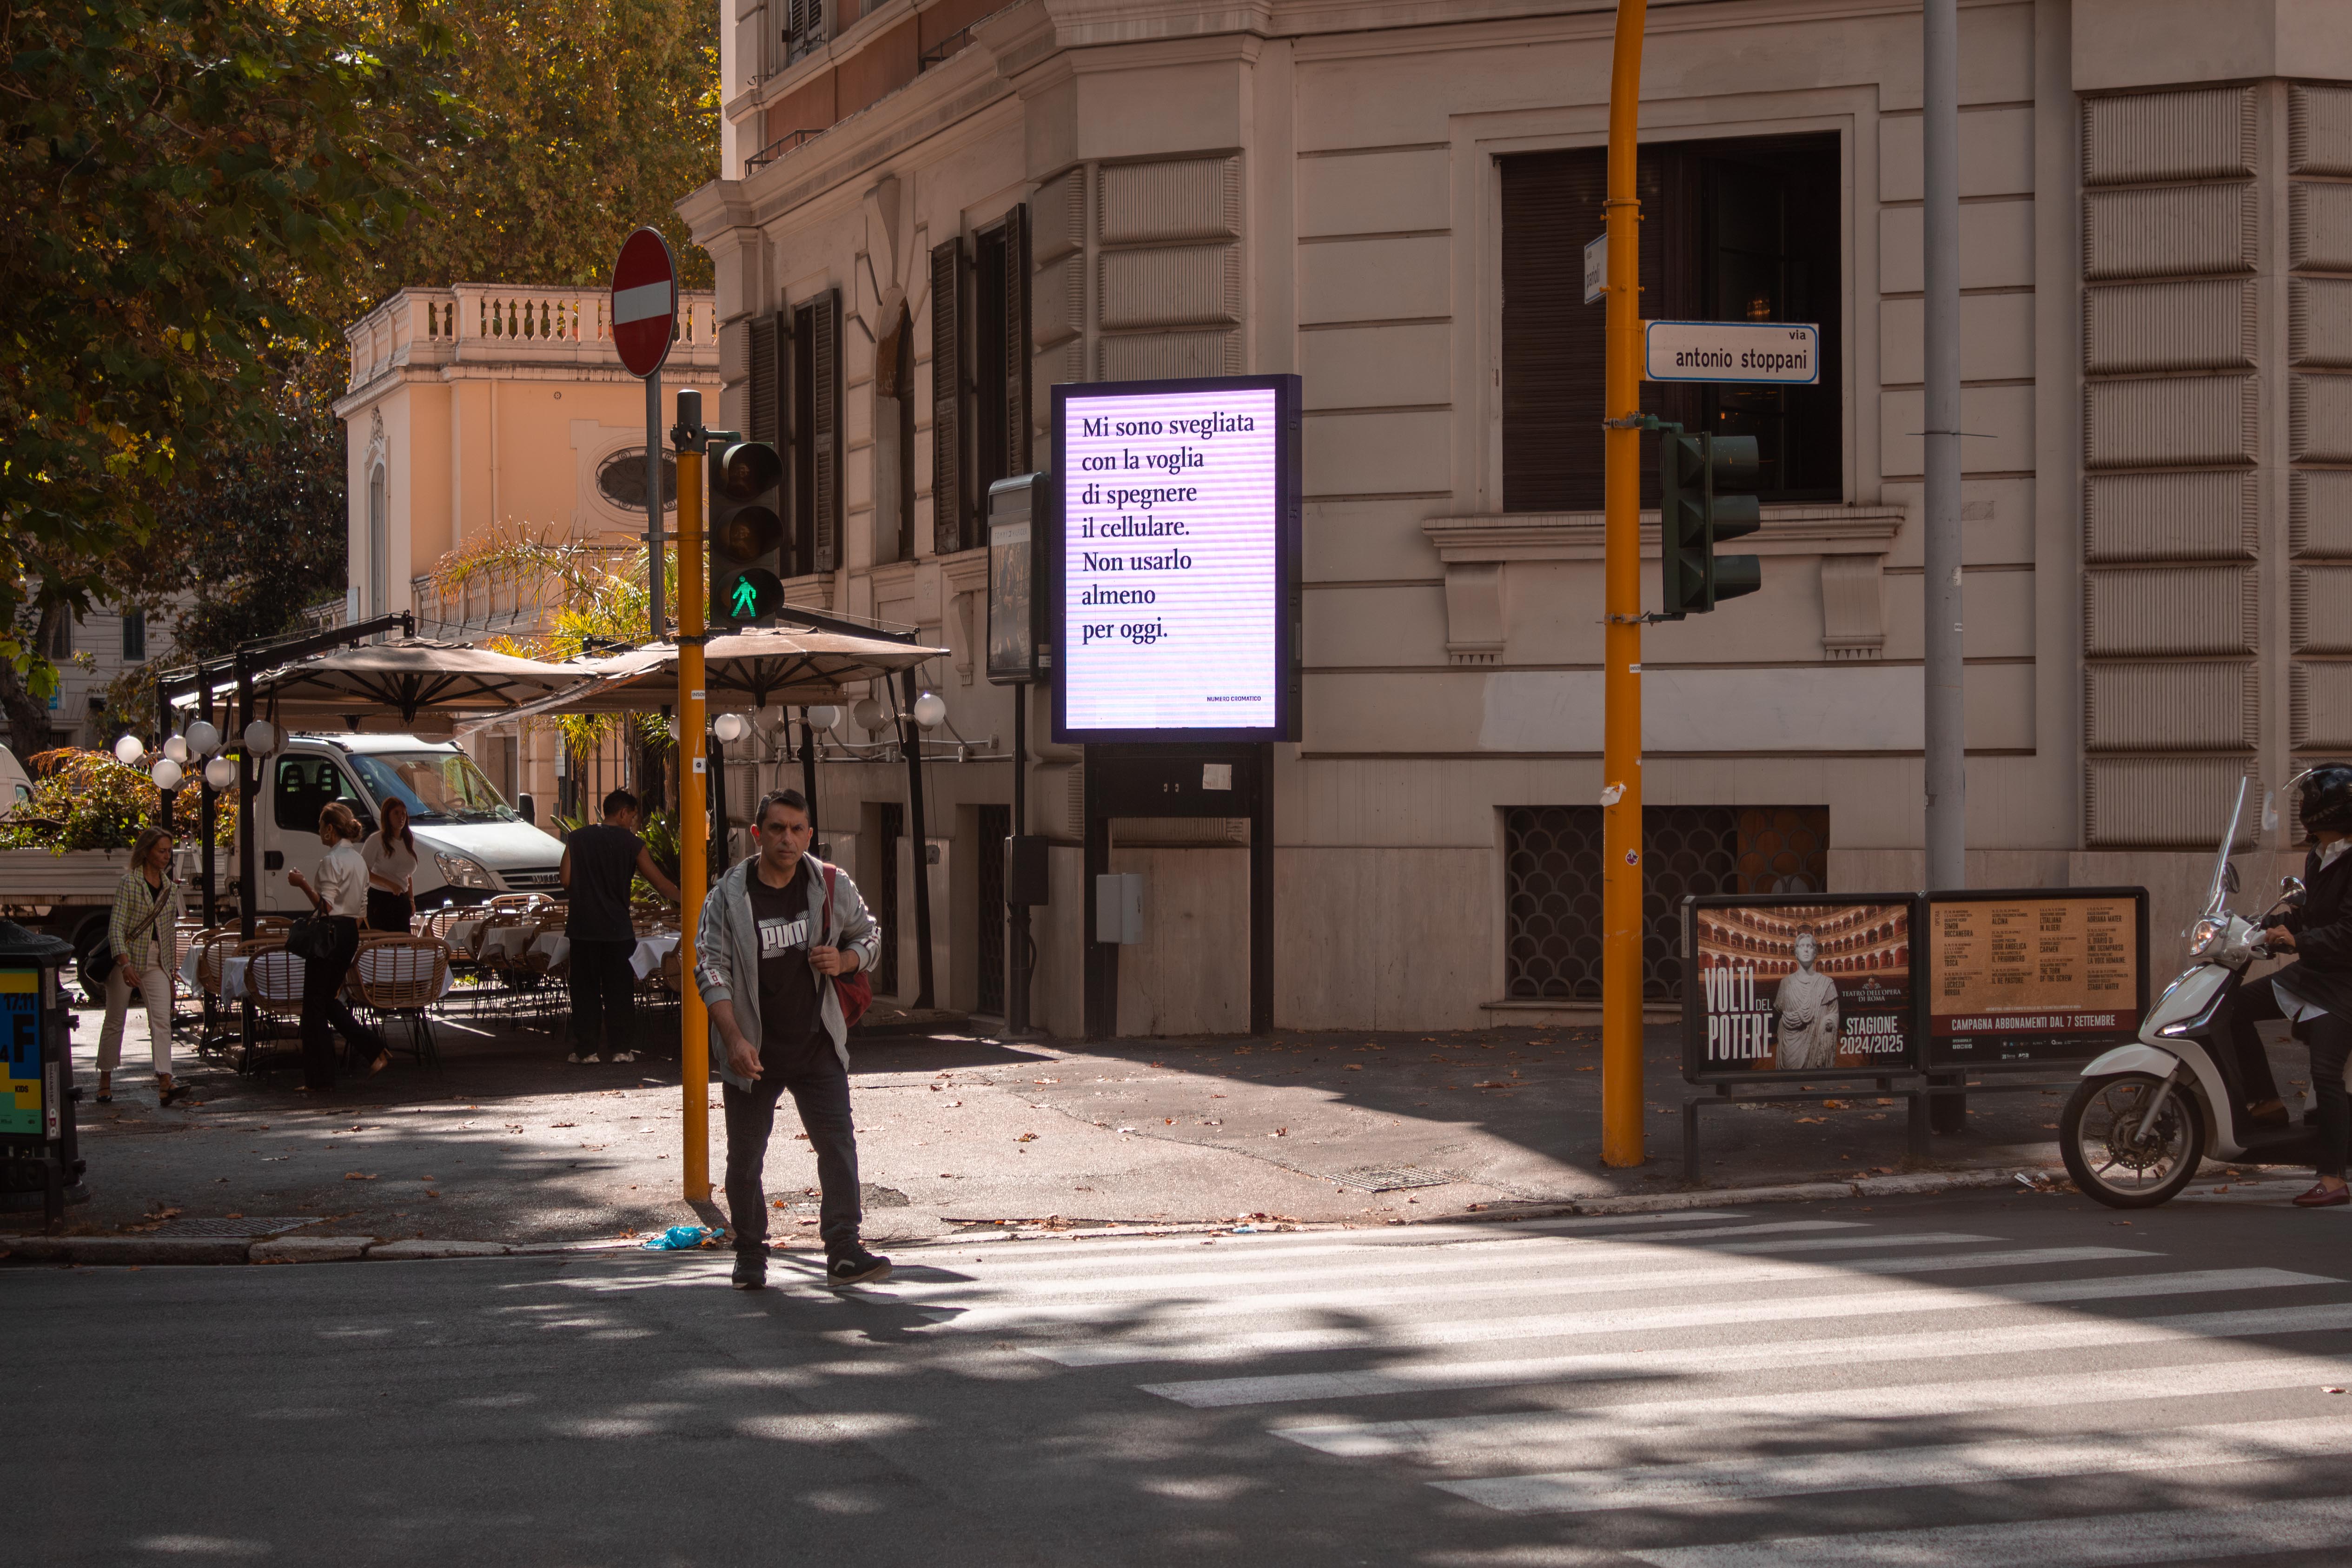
{"x": 684, "y": 1237}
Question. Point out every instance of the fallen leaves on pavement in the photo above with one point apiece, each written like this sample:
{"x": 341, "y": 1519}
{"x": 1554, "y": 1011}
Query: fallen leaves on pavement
{"x": 359, "y": 1176}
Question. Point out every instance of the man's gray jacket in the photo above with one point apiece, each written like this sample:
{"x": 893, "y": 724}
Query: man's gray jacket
{"x": 727, "y": 953}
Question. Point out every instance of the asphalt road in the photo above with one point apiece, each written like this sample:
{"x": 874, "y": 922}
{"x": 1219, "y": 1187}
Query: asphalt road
{"x": 1985, "y": 1380}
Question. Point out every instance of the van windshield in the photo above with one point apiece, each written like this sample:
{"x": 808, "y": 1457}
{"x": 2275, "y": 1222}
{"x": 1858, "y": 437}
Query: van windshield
{"x": 436, "y": 785}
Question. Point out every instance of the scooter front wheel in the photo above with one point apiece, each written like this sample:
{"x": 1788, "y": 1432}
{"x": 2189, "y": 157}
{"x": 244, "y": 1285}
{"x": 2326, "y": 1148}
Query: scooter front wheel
{"x": 2109, "y": 1156}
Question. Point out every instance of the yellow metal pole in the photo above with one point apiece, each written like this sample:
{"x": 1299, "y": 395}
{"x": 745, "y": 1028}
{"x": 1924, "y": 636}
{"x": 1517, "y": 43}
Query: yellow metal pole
{"x": 694, "y": 1043}
{"x": 1621, "y": 893}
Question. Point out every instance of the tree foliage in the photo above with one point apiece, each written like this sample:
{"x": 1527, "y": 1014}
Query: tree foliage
{"x": 203, "y": 193}
{"x": 91, "y": 800}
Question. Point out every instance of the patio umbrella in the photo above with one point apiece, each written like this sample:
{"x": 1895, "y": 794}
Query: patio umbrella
{"x": 763, "y": 667}
{"x": 387, "y": 686}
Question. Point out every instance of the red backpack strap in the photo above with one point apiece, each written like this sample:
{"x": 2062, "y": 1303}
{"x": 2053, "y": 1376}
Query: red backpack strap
{"x": 829, "y": 904}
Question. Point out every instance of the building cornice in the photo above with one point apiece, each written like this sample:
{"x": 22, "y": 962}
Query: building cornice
{"x": 1579, "y": 536}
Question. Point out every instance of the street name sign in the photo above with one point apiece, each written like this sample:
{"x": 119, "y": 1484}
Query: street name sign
{"x": 1758, "y": 353}
{"x": 644, "y": 302}
{"x": 1596, "y": 269}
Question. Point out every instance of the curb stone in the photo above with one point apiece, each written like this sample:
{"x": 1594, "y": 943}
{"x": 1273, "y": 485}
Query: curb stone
{"x": 139, "y": 1250}
{"x": 312, "y": 1250}
{"x": 413, "y": 1250}
{"x": 1911, "y": 1185}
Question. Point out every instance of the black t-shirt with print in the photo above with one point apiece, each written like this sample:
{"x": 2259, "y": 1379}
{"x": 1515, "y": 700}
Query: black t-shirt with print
{"x": 791, "y": 1027}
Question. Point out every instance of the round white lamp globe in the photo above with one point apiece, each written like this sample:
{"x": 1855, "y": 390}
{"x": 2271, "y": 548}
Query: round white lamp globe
{"x": 166, "y": 774}
{"x": 220, "y": 773}
{"x": 730, "y": 728}
{"x": 930, "y": 708}
{"x": 177, "y": 748}
{"x": 204, "y": 738}
{"x": 823, "y": 717}
{"x": 261, "y": 738}
{"x": 867, "y": 714}
{"x": 128, "y": 750}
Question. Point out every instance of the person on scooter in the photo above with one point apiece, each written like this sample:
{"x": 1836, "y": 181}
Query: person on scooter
{"x": 2315, "y": 991}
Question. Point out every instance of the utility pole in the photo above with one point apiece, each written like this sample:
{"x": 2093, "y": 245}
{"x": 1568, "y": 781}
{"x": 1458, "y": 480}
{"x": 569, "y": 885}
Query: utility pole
{"x": 1621, "y": 796}
{"x": 693, "y": 844}
{"x": 1946, "y": 705}
{"x": 657, "y": 622}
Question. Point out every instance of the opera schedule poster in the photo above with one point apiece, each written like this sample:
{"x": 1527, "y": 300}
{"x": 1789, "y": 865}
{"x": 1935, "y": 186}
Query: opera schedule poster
{"x": 2027, "y": 977}
{"x": 1775, "y": 987}
{"x": 1176, "y": 609}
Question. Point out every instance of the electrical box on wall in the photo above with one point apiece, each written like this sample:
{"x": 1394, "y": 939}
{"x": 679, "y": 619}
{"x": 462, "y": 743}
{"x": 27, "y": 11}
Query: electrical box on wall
{"x": 1026, "y": 879}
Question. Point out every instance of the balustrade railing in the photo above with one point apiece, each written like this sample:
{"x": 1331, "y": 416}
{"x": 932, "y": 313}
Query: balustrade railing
{"x": 493, "y": 321}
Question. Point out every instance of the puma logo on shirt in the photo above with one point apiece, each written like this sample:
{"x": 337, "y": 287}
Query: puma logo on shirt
{"x": 778, "y": 937}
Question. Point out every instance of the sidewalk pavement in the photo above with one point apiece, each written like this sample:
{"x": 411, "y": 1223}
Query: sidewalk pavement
{"x": 508, "y": 1143}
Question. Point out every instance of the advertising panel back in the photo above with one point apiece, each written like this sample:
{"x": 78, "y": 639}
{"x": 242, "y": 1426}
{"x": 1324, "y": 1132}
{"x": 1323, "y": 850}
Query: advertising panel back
{"x": 2034, "y": 975}
{"x": 1176, "y": 616}
{"x": 1798, "y": 984}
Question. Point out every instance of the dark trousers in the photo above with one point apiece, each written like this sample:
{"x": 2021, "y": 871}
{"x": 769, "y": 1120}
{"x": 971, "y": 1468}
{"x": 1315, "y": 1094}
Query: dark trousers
{"x": 390, "y": 911}
{"x": 2330, "y": 1038}
{"x": 603, "y": 996}
{"x": 820, "y": 1088}
{"x": 324, "y": 1011}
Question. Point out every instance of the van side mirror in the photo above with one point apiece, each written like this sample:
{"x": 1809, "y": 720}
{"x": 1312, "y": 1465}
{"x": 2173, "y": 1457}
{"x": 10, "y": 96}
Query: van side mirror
{"x": 529, "y": 806}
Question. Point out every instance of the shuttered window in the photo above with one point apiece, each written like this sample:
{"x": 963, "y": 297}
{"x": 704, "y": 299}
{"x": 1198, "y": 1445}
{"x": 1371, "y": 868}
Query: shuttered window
{"x": 808, "y": 375}
{"x": 980, "y": 375}
{"x": 765, "y": 419}
{"x": 1732, "y": 230}
{"x": 950, "y": 471}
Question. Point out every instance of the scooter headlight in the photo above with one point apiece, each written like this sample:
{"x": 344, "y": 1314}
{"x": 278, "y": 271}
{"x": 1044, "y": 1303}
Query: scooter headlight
{"x": 2206, "y": 939}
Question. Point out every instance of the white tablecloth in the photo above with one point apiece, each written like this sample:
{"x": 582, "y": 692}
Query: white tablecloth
{"x": 374, "y": 964}
{"x": 651, "y": 951}
{"x": 461, "y": 936}
{"x": 506, "y": 942}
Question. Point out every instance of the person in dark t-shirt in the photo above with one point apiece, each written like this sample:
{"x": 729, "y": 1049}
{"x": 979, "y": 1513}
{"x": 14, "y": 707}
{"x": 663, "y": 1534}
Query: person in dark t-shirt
{"x": 598, "y": 863}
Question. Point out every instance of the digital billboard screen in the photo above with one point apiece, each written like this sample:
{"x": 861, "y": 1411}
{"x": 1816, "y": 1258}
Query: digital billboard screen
{"x": 1176, "y": 609}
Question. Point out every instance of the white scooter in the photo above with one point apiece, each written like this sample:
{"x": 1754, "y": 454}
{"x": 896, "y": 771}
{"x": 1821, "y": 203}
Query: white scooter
{"x": 2145, "y": 1115}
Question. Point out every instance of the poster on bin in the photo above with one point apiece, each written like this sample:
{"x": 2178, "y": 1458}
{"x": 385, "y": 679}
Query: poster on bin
{"x": 2025, "y": 976}
{"x": 1783, "y": 986}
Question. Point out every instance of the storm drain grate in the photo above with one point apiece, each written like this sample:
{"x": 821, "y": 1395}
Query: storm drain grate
{"x": 265, "y": 1226}
{"x": 1385, "y": 1178}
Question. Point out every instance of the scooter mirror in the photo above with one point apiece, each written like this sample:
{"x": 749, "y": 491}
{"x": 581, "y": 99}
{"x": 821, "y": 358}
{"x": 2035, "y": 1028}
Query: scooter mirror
{"x": 2291, "y": 886}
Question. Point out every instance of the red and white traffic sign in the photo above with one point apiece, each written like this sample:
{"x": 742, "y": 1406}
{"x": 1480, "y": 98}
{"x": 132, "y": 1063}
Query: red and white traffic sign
{"x": 644, "y": 301}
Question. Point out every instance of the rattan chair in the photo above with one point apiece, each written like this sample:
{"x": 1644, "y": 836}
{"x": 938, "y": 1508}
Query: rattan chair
{"x": 402, "y": 977}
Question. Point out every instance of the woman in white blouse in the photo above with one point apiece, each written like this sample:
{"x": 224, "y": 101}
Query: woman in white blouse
{"x": 341, "y": 896}
{"x": 390, "y": 856}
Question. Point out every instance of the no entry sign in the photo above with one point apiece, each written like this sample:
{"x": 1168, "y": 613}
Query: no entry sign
{"x": 644, "y": 301}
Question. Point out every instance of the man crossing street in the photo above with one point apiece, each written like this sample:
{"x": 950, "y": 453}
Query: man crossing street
{"x": 775, "y": 932}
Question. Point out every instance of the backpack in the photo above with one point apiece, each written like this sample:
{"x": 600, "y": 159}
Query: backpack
{"x": 855, "y": 988}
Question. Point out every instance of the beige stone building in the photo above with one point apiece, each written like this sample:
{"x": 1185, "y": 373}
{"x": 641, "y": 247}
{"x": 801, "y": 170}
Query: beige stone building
{"x": 926, "y": 217}
{"x": 485, "y": 408}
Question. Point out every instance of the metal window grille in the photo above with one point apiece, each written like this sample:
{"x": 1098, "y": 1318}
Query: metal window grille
{"x": 1552, "y": 885}
{"x": 995, "y": 827}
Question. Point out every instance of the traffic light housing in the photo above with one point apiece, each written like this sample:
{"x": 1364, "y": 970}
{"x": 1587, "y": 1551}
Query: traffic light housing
{"x": 1695, "y": 514}
{"x": 746, "y": 535}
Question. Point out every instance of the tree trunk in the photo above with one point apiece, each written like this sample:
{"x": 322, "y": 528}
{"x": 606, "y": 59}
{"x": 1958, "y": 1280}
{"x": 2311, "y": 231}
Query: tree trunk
{"x": 28, "y": 716}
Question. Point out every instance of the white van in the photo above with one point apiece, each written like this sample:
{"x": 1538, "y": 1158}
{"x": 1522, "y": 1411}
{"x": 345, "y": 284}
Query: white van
{"x": 15, "y": 784}
{"x": 471, "y": 843}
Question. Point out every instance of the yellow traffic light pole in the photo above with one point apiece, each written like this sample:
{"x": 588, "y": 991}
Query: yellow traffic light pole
{"x": 694, "y": 1031}
{"x": 1621, "y": 893}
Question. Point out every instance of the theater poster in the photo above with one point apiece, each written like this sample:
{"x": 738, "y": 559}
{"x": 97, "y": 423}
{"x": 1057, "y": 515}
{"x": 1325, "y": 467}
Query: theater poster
{"x": 1798, "y": 985}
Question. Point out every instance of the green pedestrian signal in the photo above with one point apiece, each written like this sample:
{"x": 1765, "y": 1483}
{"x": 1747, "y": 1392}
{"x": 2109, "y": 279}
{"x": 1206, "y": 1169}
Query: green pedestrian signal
{"x": 1696, "y": 513}
{"x": 746, "y": 540}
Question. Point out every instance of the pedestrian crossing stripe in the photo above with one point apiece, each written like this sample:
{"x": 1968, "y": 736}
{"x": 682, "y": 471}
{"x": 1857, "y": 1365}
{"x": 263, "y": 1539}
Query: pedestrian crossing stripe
{"x": 2009, "y": 1340}
{"x": 1599, "y": 1450}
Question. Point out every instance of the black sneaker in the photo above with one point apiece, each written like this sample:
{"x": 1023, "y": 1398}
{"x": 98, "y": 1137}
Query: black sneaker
{"x": 751, "y": 1271}
{"x": 857, "y": 1267}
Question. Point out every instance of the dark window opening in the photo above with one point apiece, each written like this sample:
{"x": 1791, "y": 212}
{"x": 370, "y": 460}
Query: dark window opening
{"x": 980, "y": 375}
{"x": 134, "y": 634}
{"x": 801, "y": 547}
{"x": 989, "y": 460}
{"x": 1743, "y": 230}
{"x": 995, "y": 827}
{"x": 1553, "y": 885}
{"x": 305, "y": 786}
